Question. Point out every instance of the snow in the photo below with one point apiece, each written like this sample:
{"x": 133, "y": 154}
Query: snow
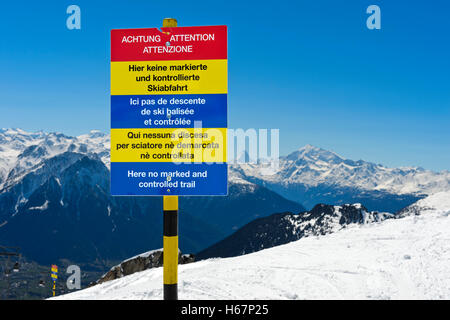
{"x": 143, "y": 255}
{"x": 439, "y": 202}
{"x": 406, "y": 258}
{"x": 41, "y": 208}
{"x": 238, "y": 180}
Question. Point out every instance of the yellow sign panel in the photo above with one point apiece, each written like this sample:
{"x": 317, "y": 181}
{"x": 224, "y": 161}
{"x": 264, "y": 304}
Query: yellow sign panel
{"x": 169, "y": 77}
{"x": 169, "y": 145}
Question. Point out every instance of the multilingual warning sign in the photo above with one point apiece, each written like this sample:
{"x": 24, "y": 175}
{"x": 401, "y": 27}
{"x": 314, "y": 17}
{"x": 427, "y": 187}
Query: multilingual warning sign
{"x": 169, "y": 111}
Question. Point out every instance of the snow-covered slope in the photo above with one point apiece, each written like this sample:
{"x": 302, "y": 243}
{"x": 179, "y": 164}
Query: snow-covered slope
{"x": 438, "y": 203}
{"x": 406, "y": 258}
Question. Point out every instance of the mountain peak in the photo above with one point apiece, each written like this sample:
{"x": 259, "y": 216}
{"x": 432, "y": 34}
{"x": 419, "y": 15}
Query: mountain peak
{"x": 13, "y": 131}
{"x": 309, "y": 147}
{"x": 313, "y": 153}
{"x": 93, "y": 134}
{"x": 96, "y": 133}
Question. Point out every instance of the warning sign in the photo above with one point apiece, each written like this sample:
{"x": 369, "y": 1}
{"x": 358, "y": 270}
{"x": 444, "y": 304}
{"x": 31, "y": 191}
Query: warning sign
{"x": 169, "y": 111}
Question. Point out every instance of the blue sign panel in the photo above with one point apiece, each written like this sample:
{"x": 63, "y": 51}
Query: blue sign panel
{"x": 166, "y": 178}
{"x": 169, "y": 111}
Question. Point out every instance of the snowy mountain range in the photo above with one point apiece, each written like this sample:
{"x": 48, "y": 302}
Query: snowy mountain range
{"x": 309, "y": 168}
{"x": 55, "y": 188}
{"x": 22, "y": 152}
{"x": 404, "y": 258}
{"x": 313, "y": 166}
{"x": 313, "y": 175}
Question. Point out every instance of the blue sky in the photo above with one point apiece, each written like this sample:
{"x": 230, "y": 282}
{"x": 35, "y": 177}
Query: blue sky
{"x": 310, "y": 68}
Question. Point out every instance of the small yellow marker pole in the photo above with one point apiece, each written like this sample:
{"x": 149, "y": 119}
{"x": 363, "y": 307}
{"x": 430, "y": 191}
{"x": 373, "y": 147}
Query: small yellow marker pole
{"x": 170, "y": 233}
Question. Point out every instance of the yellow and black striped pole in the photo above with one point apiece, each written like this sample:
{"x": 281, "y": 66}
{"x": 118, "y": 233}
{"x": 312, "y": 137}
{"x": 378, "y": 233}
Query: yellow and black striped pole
{"x": 170, "y": 235}
{"x": 170, "y": 248}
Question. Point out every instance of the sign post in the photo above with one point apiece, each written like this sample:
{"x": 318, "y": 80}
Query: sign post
{"x": 170, "y": 231}
{"x": 169, "y": 120}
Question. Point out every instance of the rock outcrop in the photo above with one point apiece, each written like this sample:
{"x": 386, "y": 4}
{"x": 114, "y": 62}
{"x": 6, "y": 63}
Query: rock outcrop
{"x": 147, "y": 260}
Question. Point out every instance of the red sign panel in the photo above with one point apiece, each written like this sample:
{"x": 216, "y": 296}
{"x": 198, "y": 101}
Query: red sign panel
{"x": 180, "y": 43}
